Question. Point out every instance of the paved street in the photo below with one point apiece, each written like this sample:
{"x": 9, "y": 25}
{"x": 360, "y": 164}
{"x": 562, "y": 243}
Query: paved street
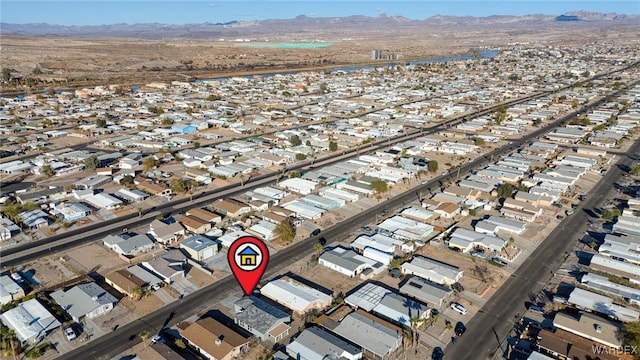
{"x": 492, "y": 323}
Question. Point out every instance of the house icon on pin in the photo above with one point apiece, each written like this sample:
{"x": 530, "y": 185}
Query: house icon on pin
{"x": 248, "y": 256}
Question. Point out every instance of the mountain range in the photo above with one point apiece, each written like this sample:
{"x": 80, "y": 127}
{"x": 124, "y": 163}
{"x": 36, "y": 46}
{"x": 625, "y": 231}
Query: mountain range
{"x": 301, "y": 25}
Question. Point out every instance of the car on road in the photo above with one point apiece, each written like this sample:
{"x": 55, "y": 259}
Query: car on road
{"x": 454, "y": 341}
{"x": 560, "y": 217}
{"x": 460, "y": 328}
{"x": 70, "y": 333}
{"x": 569, "y": 212}
{"x": 459, "y": 308}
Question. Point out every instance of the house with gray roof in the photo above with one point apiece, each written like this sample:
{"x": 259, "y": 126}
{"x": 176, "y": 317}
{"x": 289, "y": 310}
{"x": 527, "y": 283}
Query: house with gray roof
{"x": 30, "y": 321}
{"x": 467, "y": 240}
{"x": 9, "y": 290}
{"x": 262, "y": 319}
{"x": 167, "y": 265}
{"x": 401, "y": 309}
{"x": 82, "y": 300}
{"x": 128, "y": 246}
{"x": 430, "y": 293}
{"x": 315, "y": 343}
{"x": 345, "y": 261}
{"x": 432, "y": 270}
{"x": 376, "y": 339}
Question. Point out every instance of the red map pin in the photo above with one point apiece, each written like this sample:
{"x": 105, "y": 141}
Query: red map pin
{"x": 248, "y": 257}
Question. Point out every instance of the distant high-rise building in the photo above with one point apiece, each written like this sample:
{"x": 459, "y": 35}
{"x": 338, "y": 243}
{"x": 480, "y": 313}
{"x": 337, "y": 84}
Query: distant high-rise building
{"x": 379, "y": 54}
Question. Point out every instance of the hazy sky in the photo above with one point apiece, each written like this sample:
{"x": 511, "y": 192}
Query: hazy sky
{"x": 92, "y": 12}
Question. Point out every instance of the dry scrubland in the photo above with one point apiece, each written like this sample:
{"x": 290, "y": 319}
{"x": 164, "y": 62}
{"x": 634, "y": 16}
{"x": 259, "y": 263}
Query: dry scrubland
{"x": 77, "y": 62}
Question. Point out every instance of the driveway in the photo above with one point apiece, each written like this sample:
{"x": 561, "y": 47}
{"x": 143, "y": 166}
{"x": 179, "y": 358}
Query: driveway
{"x": 183, "y": 286}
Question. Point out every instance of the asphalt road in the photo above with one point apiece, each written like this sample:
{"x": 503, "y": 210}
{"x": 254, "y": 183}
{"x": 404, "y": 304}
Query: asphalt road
{"x": 491, "y": 325}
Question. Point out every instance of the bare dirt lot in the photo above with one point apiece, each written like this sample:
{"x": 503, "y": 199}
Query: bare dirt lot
{"x": 94, "y": 257}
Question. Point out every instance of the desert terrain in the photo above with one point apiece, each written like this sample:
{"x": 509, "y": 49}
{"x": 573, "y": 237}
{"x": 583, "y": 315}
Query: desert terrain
{"x": 42, "y": 58}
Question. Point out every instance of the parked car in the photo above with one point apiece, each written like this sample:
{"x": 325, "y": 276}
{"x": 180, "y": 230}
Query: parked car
{"x": 70, "y": 333}
{"x": 536, "y": 309}
{"x": 569, "y": 212}
{"x": 499, "y": 261}
{"x": 17, "y": 277}
{"x": 460, "y": 328}
{"x": 560, "y": 217}
{"x": 437, "y": 354}
{"x": 459, "y": 308}
{"x": 157, "y": 339}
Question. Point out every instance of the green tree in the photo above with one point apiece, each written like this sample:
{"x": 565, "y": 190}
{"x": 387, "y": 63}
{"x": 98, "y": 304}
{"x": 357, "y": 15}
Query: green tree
{"x": 47, "y": 170}
{"x": 196, "y": 144}
{"x": 127, "y": 180}
{"x": 478, "y": 141}
{"x": 505, "y": 191}
{"x": 167, "y": 122}
{"x": 150, "y": 162}
{"x": 318, "y": 248}
{"x": 295, "y": 140}
{"x": 144, "y": 335}
{"x": 432, "y": 166}
{"x": 610, "y": 214}
{"x": 180, "y": 344}
{"x": 631, "y": 334}
{"x": 285, "y": 231}
{"x": 333, "y": 146}
{"x": 189, "y": 111}
{"x": 636, "y": 170}
{"x": 379, "y": 186}
{"x": 300, "y": 156}
{"x": 91, "y": 163}
{"x": 6, "y": 73}
{"x": 101, "y": 123}
{"x": 293, "y": 174}
{"x": 177, "y": 186}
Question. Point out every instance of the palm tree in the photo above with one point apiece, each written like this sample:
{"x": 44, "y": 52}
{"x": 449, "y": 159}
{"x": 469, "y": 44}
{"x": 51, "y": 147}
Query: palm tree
{"x": 241, "y": 180}
{"x": 415, "y": 322}
{"x": 139, "y": 212}
{"x": 406, "y": 337}
{"x": 144, "y": 335}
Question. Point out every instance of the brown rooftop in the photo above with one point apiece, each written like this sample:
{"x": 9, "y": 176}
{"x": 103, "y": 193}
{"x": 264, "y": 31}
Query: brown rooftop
{"x": 125, "y": 280}
{"x": 204, "y": 333}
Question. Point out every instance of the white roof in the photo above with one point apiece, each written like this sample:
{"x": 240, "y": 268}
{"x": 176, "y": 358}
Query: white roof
{"x": 417, "y": 213}
{"x": 466, "y": 239}
{"x": 8, "y": 287}
{"x": 431, "y": 270}
{"x": 367, "y": 297}
{"x": 304, "y": 210}
{"x": 299, "y": 185}
{"x": 295, "y": 296}
{"x": 103, "y": 200}
{"x": 228, "y": 238}
{"x": 29, "y": 320}
{"x": 602, "y": 304}
{"x": 386, "y": 244}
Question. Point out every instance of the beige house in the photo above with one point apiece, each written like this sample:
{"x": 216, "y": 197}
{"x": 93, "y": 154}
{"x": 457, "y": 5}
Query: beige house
{"x": 215, "y": 341}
